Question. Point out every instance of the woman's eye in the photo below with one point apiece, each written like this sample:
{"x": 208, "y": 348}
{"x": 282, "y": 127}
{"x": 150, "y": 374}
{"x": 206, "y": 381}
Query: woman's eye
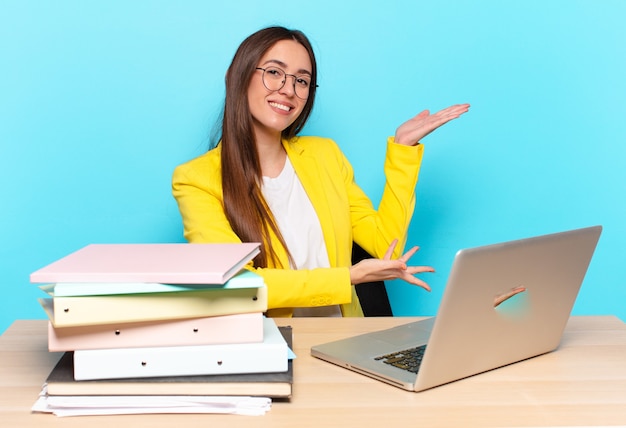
{"x": 302, "y": 82}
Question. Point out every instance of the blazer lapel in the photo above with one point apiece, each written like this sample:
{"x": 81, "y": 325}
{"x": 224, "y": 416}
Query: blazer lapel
{"x": 307, "y": 169}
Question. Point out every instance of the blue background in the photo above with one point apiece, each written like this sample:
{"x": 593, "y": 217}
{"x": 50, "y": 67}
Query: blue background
{"x": 100, "y": 100}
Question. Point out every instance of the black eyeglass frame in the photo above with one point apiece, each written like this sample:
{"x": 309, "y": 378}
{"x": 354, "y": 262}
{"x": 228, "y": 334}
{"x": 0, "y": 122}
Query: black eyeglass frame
{"x": 295, "y": 78}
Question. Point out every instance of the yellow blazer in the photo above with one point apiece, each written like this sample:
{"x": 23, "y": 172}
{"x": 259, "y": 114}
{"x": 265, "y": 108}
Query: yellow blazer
{"x": 345, "y": 213}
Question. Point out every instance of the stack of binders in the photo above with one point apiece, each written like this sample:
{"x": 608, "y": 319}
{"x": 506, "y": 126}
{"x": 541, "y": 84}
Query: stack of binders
{"x": 162, "y": 319}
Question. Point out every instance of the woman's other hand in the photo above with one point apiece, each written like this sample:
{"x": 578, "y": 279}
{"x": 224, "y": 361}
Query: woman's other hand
{"x": 371, "y": 270}
{"x": 413, "y": 130}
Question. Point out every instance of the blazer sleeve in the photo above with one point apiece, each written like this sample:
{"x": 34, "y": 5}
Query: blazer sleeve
{"x": 374, "y": 230}
{"x": 199, "y": 199}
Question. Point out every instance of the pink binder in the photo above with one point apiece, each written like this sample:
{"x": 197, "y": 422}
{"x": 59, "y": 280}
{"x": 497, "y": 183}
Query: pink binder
{"x": 237, "y": 328}
{"x": 165, "y": 263}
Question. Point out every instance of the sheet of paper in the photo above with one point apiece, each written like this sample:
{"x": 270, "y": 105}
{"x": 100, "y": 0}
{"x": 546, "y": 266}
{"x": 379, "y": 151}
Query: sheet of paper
{"x": 123, "y": 405}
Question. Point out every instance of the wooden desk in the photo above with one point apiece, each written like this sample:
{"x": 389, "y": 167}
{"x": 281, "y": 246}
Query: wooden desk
{"x": 582, "y": 383}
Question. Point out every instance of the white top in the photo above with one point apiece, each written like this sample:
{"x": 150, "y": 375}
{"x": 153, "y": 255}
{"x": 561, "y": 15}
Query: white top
{"x": 298, "y": 223}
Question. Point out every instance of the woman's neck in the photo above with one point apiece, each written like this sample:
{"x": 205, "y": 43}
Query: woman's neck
{"x": 272, "y": 155}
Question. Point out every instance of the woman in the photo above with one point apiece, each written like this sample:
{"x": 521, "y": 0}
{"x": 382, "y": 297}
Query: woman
{"x": 296, "y": 195}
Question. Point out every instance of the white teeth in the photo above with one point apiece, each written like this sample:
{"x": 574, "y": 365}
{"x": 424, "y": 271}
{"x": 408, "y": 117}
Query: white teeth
{"x": 281, "y": 106}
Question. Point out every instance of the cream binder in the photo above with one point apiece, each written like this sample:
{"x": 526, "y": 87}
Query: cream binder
{"x": 91, "y": 310}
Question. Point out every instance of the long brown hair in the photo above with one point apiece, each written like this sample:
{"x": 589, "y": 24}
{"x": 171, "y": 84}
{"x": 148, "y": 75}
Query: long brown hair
{"x": 244, "y": 205}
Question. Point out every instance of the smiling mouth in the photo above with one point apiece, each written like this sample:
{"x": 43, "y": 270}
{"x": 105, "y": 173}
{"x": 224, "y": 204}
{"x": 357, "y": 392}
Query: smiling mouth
{"x": 280, "y": 106}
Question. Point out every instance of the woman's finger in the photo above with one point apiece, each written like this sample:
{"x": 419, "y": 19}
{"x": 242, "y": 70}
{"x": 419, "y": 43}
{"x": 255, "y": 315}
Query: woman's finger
{"x": 390, "y": 250}
{"x": 406, "y": 256}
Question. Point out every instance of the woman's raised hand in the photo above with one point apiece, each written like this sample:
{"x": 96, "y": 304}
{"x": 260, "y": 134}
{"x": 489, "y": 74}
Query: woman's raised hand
{"x": 413, "y": 130}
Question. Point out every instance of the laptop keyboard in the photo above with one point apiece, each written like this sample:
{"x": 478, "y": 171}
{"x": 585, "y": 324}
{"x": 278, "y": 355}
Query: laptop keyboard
{"x": 408, "y": 359}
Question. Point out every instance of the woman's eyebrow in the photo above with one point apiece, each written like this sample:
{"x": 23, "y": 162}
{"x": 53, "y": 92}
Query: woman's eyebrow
{"x": 283, "y": 65}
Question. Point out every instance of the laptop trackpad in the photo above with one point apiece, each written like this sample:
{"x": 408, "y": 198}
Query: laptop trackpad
{"x": 415, "y": 333}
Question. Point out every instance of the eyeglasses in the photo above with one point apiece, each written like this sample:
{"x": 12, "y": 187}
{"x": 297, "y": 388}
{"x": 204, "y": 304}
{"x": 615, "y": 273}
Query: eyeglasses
{"x": 274, "y": 79}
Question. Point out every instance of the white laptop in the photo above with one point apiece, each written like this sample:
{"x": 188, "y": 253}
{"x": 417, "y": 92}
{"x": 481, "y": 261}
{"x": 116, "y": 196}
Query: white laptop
{"x": 470, "y": 335}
